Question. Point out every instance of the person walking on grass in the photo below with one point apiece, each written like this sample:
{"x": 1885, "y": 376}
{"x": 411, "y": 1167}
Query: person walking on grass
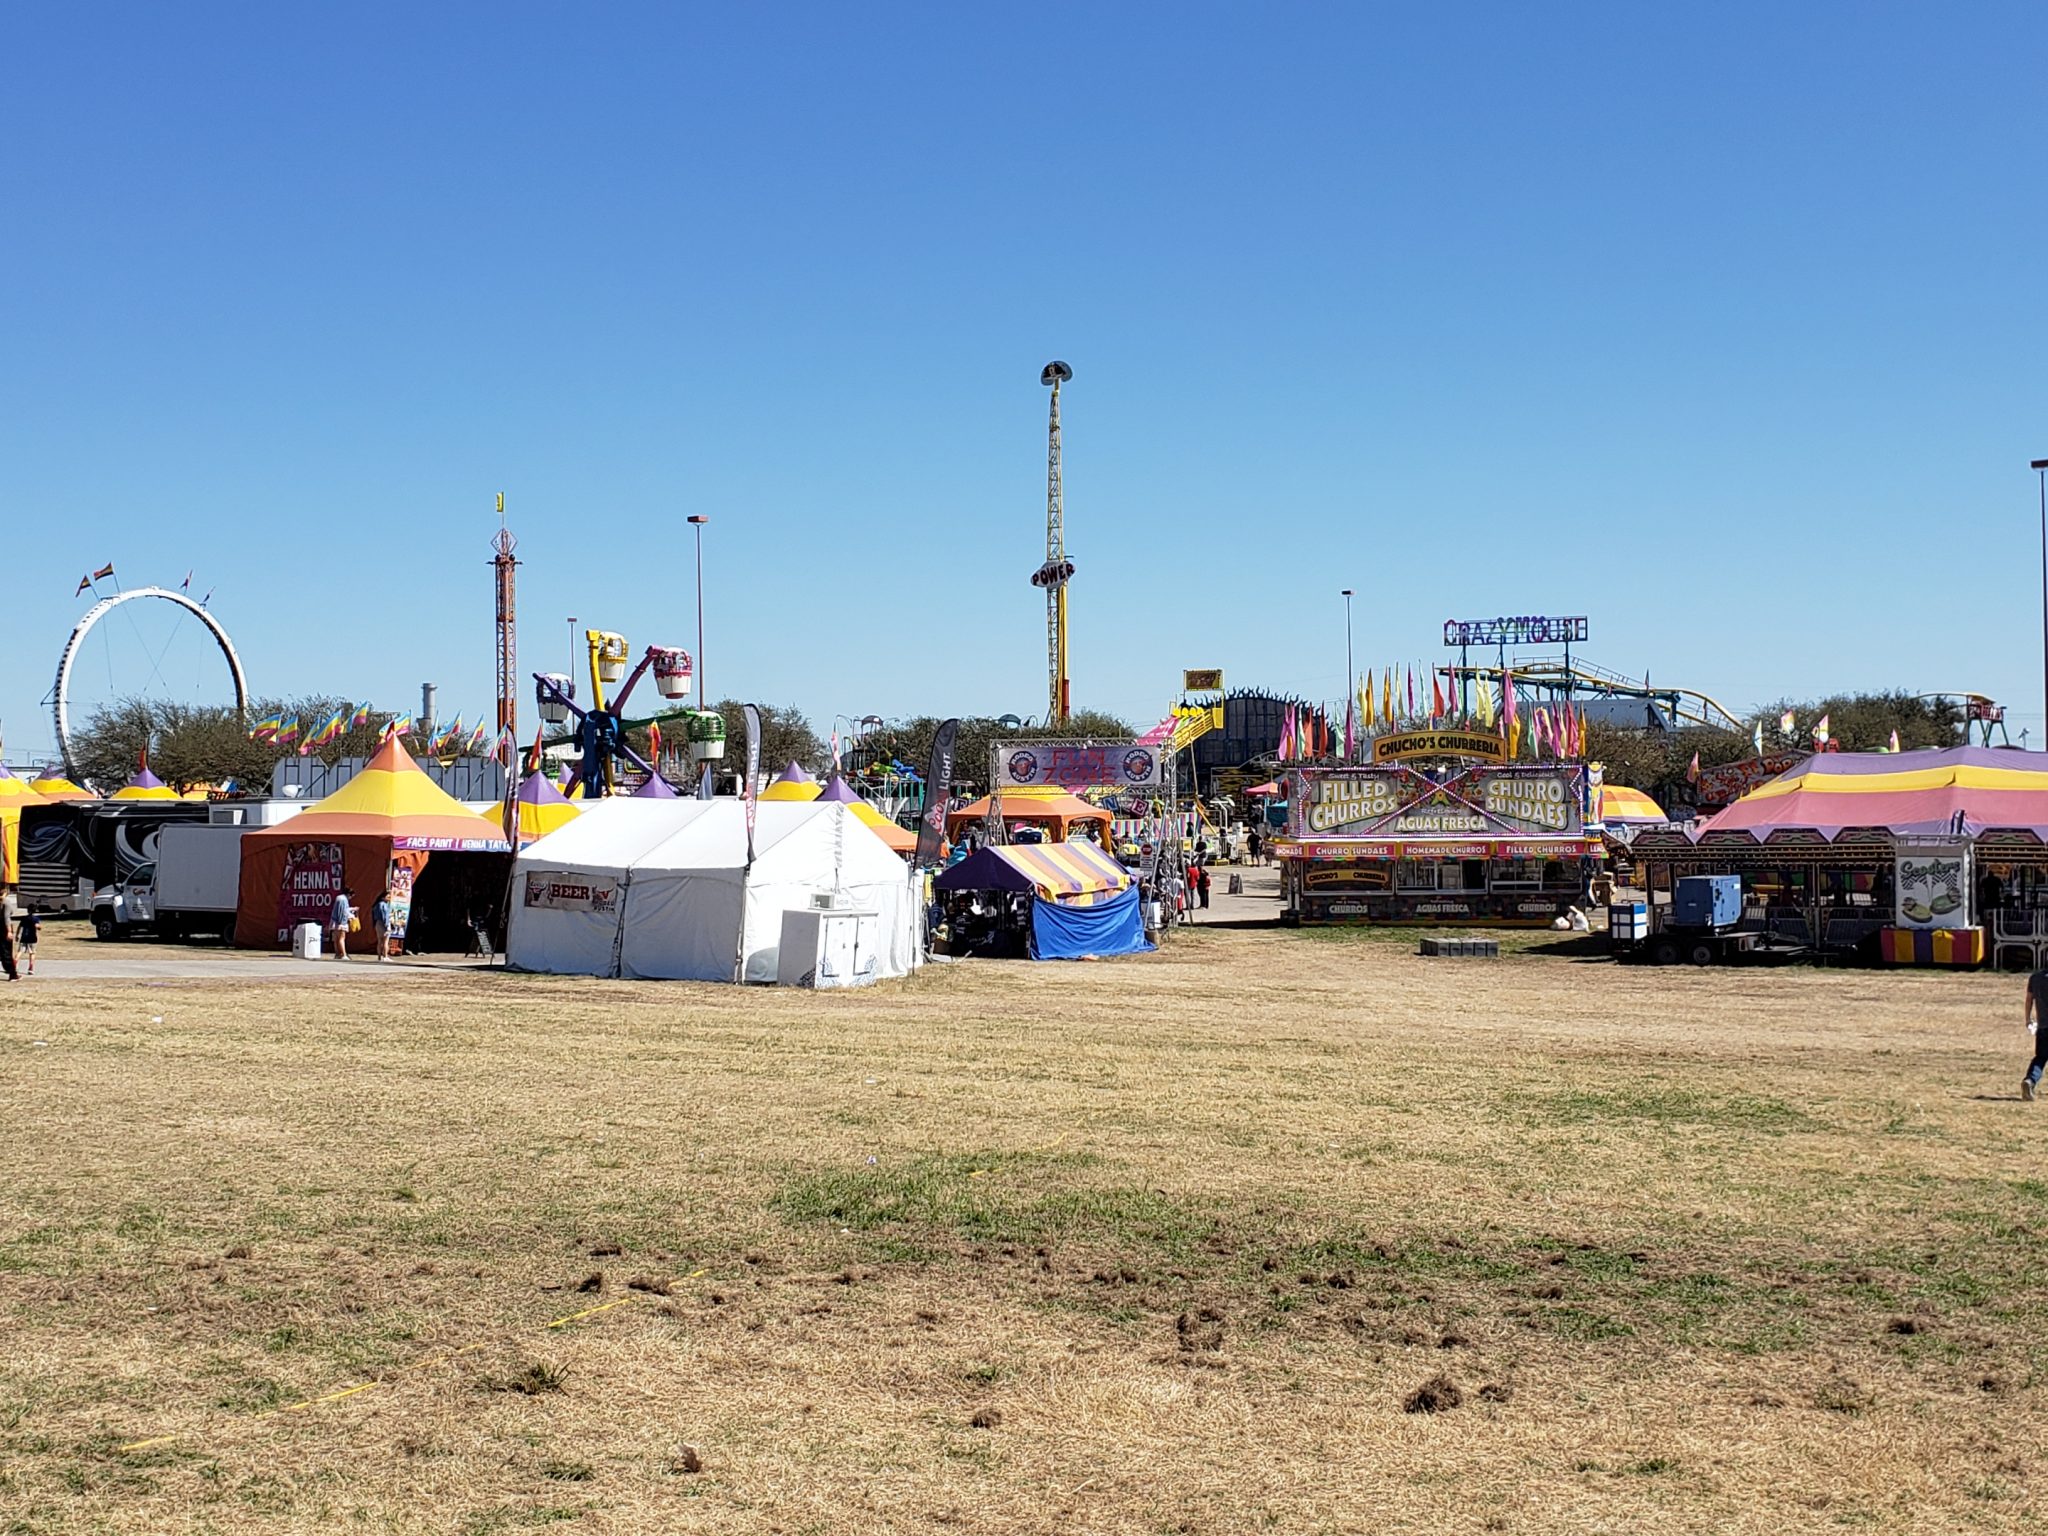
{"x": 2037, "y": 1025}
{"x": 380, "y": 923}
{"x": 339, "y": 916}
{"x": 25, "y": 935}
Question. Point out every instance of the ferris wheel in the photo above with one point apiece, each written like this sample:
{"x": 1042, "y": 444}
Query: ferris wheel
{"x": 155, "y": 653}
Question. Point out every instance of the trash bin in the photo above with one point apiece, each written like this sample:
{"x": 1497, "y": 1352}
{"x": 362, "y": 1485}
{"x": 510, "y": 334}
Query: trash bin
{"x": 306, "y": 942}
{"x": 1236, "y": 886}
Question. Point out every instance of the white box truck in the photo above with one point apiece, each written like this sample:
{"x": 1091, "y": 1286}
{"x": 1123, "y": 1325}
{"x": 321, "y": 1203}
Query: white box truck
{"x": 196, "y": 880}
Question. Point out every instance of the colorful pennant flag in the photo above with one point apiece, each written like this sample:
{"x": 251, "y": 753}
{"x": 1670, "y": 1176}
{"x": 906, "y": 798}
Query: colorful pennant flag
{"x": 1756, "y": 737}
{"x": 1692, "y": 772}
{"x": 1820, "y": 731}
{"x": 1785, "y": 724}
{"x": 1895, "y": 741}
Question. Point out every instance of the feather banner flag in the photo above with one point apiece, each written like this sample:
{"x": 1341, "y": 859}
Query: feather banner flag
{"x": 1436, "y": 698}
{"x": 1363, "y": 689}
{"x": 1350, "y": 733}
{"x": 1785, "y": 725}
{"x": 1507, "y": 702}
{"x": 1387, "y": 696}
{"x": 1411, "y": 691}
{"x": 1692, "y": 772}
{"x": 1895, "y": 742}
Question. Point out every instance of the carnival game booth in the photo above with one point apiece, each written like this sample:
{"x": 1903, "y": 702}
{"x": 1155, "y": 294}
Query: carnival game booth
{"x": 664, "y": 889}
{"x": 1048, "y": 901}
{"x": 1437, "y": 842}
{"x": 390, "y": 827}
{"x": 1937, "y": 856}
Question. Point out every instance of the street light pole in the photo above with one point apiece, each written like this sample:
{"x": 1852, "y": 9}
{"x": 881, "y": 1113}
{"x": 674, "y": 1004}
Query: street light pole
{"x": 572, "y": 655}
{"x": 697, "y": 521}
{"x": 1350, "y": 685}
{"x": 2040, "y": 468}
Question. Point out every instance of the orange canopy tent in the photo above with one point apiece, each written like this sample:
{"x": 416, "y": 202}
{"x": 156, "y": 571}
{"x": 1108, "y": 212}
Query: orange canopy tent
{"x": 1053, "y": 809}
{"x": 900, "y": 839}
{"x": 374, "y": 833}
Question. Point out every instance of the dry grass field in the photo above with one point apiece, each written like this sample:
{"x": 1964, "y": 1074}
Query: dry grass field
{"x": 1193, "y": 1243}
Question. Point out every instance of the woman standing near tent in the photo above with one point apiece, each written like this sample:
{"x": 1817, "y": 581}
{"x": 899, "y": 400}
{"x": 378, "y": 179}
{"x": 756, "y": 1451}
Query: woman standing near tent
{"x": 380, "y": 923}
{"x": 339, "y": 917}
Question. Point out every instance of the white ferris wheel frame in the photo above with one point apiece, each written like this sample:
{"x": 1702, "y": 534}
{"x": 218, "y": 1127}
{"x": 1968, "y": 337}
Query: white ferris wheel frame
{"x": 61, "y": 694}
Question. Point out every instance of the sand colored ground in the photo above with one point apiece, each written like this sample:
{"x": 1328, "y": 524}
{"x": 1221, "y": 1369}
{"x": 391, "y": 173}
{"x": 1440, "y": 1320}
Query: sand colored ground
{"x": 1160, "y": 1245}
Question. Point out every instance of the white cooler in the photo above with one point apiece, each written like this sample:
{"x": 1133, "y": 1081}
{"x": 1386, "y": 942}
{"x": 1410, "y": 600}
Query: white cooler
{"x": 828, "y": 947}
{"x": 306, "y": 942}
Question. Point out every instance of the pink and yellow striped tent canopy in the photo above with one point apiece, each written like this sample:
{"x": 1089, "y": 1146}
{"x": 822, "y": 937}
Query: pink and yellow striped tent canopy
{"x": 1952, "y": 790}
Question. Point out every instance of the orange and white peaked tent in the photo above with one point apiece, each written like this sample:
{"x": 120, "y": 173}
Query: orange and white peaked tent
{"x": 376, "y": 832}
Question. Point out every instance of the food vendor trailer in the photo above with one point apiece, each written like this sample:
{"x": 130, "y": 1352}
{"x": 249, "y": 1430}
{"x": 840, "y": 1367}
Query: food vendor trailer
{"x": 1437, "y": 841}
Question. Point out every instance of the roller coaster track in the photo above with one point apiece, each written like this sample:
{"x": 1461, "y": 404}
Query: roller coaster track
{"x": 1556, "y": 674}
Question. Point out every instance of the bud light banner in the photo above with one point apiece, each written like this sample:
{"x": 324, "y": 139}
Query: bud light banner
{"x": 1079, "y": 765}
{"x": 938, "y": 791}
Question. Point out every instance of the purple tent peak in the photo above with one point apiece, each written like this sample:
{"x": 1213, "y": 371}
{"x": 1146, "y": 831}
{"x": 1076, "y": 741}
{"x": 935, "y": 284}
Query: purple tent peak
{"x": 656, "y": 788}
{"x": 840, "y": 791}
{"x": 145, "y": 780}
{"x": 794, "y": 774}
{"x": 537, "y": 790}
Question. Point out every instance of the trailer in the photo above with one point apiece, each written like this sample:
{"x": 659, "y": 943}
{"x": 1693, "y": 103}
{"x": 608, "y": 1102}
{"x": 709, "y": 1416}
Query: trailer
{"x": 72, "y": 851}
{"x": 1704, "y": 924}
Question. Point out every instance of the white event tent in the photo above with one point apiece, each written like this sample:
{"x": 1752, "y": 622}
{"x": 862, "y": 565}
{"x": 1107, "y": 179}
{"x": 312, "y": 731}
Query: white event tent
{"x": 661, "y": 889}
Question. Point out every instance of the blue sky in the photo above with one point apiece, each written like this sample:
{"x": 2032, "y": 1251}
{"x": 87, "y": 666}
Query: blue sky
{"x": 1717, "y": 325}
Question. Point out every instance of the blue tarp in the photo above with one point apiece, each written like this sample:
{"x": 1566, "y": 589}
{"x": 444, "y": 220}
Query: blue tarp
{"x": 1115, "y": 926}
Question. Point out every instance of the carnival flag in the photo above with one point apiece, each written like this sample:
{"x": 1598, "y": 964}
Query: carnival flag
{"x": 654, "y": 744}
{"x": 938, "y": 788}
{"x": 84, "y": 582}
{"x": 1785, "y": 723}
{"x": 753, "y": 715}
{"x": 707, "y": 786}
{"x": 1364, "y": 691}
{"x": 1756, "y": 737}
{"x": 1387, "y": 696}
{"x": 1436, "y": 697}
{"x": 1692, "y": 772}
{"x": 357, "y": 720}
{"x": 1820, "y": 731}
{"x": 835, "y": 749}
{"x": 1895, "y": 742}
{"x": 534, "y": 761}
{"x": 1350, "y": 733}
{"x": 104, "y": 572}
{"x": 1411, "y": 692}
{"x": 1507, "y": 702}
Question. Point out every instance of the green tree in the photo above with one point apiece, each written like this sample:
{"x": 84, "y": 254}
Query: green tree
{"x": 911, "y": 740}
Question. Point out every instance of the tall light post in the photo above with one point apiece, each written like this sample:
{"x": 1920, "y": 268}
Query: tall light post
{"x": 2040, "y": 468}
{"x": 572, "y": 653}
{"x": 697, "y": 521}
{"x": 1350, "y": 677}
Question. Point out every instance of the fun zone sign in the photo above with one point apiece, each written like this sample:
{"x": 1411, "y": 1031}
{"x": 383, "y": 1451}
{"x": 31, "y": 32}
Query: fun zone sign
{"x": 1405, "y": 802}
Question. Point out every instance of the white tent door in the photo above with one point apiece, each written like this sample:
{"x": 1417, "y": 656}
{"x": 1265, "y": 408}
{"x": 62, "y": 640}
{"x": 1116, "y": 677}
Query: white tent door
{"x": 565, "y": 940}
{"x": 682, "y": 925}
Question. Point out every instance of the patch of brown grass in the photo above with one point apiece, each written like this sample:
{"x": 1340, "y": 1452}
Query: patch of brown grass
{"x": 1154, "y": 1245}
